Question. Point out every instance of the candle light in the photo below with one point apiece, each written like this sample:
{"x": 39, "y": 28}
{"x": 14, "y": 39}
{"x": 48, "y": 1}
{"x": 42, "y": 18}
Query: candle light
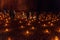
{"x": 0, "y": 16}
{"x": 29, "y": 24}
{"x": 6, "y": 30}
{"x": 30, "y": 17}
{"x": 58, "y": 19}
{"x": 55, "y": 38}
{"x": 6, "y": 24}
{"x": 44, "y": 25}
{"x": 51, "y": 24}
{"x": 32, "y": 27}
{"x": 52, "y": 21}
{"x": 20, "y": 21}
{"x": 9, "y": 18}
{"x": 6, "y": 21}
{"x": 58, "y": 29}
{"x": 9, "y": 38}
{"x": 26, "y": 19}
{"x": 29, "y": 21}
{"x": 32, "y": 20}
{"x": 46, "y": 31}
{"x": 34, "y": 17}
{"x": 27, "y": 33}
{"x": 18, "y": 17}
{"x": 38, "y": 21}
{"x": 21, "y": 26}
{"x": 42, "y": 20}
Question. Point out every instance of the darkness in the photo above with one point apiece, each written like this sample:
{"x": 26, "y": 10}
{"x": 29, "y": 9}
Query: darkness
{"x": 36, "y": 5}
{"x": 47, "y": 5}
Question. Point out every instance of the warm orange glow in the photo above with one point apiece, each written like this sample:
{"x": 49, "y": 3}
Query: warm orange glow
{"x": 34, "y": 17}
{"x": 33, "y": 28}
{"x": 42, "y": 20}
{"x": 20, "y": 21}
{"x": 32, "y": 20}
{"x": 30, "y": 17}
{"x": 28, "y": 24}
{"x": 44, "y": 25}
{"x": 46, "y": 31}
{"x": 9, "y": 18}
{"x": 18, "y": 17}
{"x": 29, "y": 21}
{"x": 9, "y": 38}
{"x": 22, "y": 26}
{"x": 23, "y": 13}
{"x": 51, "y": 24}
{"x": 57, "y": 19}
{"x": 27, "y": 33}
{"x": 6, "y": 24}
{"x": 26, "y": 20}
{"x": 6, "y": 30}
{"x": 39, "y": 22}
{"x": 56, "y": 38}
{"x": 22, "y": 18}
{"x": 48, "y": 17}
{"x": 1, "y": 18}
{"x": 58, "y": 30}
{"x": 7, "y": 21}
{"x": 52, "y": 21}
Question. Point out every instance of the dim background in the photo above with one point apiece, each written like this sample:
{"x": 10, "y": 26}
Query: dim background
{"x": 35, "y": 5}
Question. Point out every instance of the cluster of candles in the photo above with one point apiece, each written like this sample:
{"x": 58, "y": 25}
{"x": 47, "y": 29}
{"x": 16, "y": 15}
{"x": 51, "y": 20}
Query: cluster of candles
{"x": 47, "y": 24}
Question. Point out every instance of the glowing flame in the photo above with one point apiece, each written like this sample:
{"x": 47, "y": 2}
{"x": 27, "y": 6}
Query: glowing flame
{"x": 44, "y": 25}
{"x": 30, "y": 17}
{"x": 46, "y": 31}
{"x": 33, "y": 28}
{"x": 9, "y": 38}
{"x": 6, "y": 24}
{"x": 28, "y": 24}
{"x": 58, "y": 30}
{"x": 32, "y": 20}
{"x": 7, "y": 21}
{"x": 27, "y": 33}
{"x": 6, "y": 30}
{"x": 56, "y": 38}
{"x": 22, "y": 26}
{"x": 20, "y": 21}
{"x": 51, "y": 24}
